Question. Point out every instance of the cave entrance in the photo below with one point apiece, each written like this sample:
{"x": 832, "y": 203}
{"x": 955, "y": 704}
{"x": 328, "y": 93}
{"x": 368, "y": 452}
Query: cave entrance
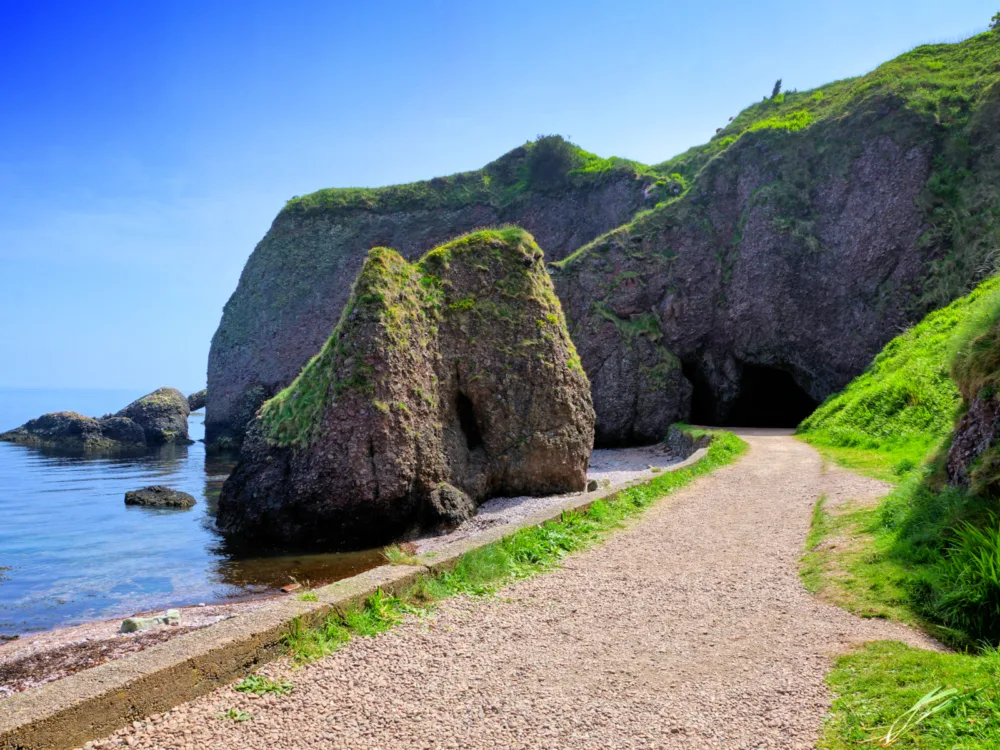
{"x": 769, "y": 397}
{"x": 467, "y": 421}
{"x": 702, "y": 396}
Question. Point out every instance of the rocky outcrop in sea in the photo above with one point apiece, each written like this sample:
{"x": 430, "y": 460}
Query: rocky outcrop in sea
{"x": 447, "y": 381}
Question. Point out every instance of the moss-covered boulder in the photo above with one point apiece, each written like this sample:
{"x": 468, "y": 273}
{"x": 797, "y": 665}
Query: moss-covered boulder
{"x": 974, "y": 454}
{"x": 447, "y": 381}
{"x": 72, "y": 432}
{"x": 162, "y": 414}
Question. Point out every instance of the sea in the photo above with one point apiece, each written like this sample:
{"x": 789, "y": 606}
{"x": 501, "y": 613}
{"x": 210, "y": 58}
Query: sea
{"x": 71, "y": 551}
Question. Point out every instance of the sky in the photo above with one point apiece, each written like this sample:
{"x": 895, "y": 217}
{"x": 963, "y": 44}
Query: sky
{"x": 146, "y": 147}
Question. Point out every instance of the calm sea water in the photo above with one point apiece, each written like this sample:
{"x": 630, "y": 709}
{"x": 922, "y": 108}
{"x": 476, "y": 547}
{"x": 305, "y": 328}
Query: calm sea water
{"x": 71, "y": 551}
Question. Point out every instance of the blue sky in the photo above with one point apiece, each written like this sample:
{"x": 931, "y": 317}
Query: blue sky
{"x": 146, "y": 147}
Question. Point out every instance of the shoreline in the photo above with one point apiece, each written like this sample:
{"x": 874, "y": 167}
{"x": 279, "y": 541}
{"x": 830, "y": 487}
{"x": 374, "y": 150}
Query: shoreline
{"x": 44, "y": 657}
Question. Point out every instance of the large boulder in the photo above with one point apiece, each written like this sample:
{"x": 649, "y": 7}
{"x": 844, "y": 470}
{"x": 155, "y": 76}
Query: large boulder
{"x": 162, "y": 414}
{"x": 446, "y": 382}
{"x": 69, "y": 431}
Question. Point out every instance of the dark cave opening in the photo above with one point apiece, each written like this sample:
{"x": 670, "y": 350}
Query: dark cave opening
{"x": 467, "y": 421}
{"x": 769, "y": 397}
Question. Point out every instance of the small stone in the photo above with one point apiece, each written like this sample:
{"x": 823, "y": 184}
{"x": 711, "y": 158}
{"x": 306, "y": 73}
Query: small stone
{"x": 592, "y": 485}
{"x": 133, "y": 624}
{"x": 158, "y": 496}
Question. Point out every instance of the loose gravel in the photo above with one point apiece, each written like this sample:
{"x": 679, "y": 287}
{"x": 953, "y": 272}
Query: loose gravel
{"x": 688, "y": 629}
{"x": 607, "y": 467}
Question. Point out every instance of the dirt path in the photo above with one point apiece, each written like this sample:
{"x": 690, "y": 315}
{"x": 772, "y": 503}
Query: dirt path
{"x": 688, "y": 630}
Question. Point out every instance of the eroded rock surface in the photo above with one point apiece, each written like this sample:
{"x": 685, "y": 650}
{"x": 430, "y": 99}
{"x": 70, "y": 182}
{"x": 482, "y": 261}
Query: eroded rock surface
{"x": 447, "y": 381}
{"x": 158, "y": 496}
{"x": 72, "y": 432}
{"x": 197, "y": 399}
{"x": 299, "y": 276}
{"x": 162, "y": 414}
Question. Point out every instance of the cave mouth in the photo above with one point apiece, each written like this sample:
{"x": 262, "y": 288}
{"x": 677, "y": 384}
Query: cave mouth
{"x": 467, "y": 421}
{"x": 769, "y": 397}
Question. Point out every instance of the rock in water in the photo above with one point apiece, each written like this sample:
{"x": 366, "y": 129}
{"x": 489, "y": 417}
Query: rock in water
{"x": 196, "y": 400}
{"x": 69, "y": 431}
{"x": 446, "y": 382}
{"x": 158, "y": 496}
{"x": 162, "y": 415}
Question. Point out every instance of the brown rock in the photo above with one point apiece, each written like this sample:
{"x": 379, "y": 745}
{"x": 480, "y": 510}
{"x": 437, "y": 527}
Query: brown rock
{"x": 446, "y": 382}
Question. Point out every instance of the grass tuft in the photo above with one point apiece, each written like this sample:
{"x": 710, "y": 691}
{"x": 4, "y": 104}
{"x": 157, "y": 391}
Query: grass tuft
{"x": 260, "y": 685}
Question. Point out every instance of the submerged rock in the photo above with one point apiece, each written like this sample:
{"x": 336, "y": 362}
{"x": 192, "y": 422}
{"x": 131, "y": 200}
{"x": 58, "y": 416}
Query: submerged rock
{"x": 446, "y": 382}
{"x": 69, "y": 431}
{"x": 158, "y": 496}
{"x": 162, "y": 415}
{"x": 196, "y": 400}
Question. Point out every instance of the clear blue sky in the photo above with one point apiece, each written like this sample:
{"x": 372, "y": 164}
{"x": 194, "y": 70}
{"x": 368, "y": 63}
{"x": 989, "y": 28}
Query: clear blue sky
{"x": 146, "y": 147}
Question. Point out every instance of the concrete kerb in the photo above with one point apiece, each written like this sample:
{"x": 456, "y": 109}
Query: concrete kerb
{"x": 93, "y": 703}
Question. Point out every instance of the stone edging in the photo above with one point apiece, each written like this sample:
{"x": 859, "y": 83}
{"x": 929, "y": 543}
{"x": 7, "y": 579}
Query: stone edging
{"x": 98, "y": 701}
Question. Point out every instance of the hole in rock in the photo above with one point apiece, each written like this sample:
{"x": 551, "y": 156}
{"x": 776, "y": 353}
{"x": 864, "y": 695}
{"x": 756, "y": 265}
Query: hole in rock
{"x": 702, "y": 397}
{"x": 769, "y": 397}
{"x": 467, "y": 421}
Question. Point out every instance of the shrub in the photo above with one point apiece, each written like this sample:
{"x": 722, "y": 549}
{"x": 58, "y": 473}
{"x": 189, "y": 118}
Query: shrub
{"x": 776, "y": 90}
{"x": 995, "y": 23}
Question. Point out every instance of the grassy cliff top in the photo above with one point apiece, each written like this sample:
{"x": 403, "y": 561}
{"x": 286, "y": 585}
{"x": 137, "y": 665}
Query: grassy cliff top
{"x": 941, "y": 80}
{"x": 906, "y": 401}
{"x": 549, "y": 163}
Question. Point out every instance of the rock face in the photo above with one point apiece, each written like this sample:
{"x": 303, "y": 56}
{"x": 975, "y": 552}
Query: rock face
{"x": 196, "y": 400}
{"x": 162, "y": 415}
{"x": 299, "y": 277}
{"x": 69, "y": 431}
{"x": 446, "y": 382}
{"x": 754, "y": 267}
{"x": 974, "y": 454}
{"x": 775, "y": 262}
{"x": 158, "y": 496}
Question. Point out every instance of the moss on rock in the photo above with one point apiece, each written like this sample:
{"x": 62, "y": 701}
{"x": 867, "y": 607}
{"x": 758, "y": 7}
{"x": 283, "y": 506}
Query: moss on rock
{"x": 452, "y": 374}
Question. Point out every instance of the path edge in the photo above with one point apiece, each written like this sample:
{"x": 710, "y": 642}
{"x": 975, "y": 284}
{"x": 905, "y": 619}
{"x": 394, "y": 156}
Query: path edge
{"x": 96, "y": 702}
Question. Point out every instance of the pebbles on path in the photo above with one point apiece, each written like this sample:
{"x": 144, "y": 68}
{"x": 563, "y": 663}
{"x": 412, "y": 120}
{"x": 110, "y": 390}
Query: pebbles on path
{"x": 689, "y": 629}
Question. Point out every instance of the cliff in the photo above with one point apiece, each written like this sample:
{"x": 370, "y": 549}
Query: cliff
{"x": 777, "y": 258}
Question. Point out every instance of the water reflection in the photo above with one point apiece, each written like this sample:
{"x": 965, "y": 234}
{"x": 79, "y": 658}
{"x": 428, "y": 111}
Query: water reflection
{"x": 71, "y": 551}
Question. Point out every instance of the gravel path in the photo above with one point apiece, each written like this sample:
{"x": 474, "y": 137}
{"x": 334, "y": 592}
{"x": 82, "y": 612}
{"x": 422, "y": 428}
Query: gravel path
{"x": 689, "y": 629}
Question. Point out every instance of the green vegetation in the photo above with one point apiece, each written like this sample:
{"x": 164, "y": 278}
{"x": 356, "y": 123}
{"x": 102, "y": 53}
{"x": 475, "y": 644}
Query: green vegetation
{"x": 397, "y": 306}
{"x": 888, "y": 418}
{"x": 235, "y": 714}
{"x": 525, "y": 553}
{"x": 928, "y": 554}
{"x": 259, "y": 685}
{"x": 308, "y": 596}
{"x": 548, "y": 163}
{"x": 878, "y": 687}
{"x": 395, "y": 555}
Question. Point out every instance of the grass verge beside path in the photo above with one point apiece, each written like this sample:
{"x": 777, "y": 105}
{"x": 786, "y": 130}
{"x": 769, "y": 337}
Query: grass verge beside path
{"x": 527, "y": 552}
{"x": 856, "y": 558}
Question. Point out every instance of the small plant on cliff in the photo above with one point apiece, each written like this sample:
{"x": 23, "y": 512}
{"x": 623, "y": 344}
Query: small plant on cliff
{"x": 995, "y": 23}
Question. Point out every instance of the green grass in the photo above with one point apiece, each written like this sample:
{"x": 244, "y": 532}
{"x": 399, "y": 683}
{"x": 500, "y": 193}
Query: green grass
{"x": 235, "y": 714}
{"x": 887, "y": 419}
{"x": 308, "y": 596}
{"x": 546, "y": 164}
{"x": 259, "y": 685}
{"x": 527, "y": 552}
{"x": 879, "y": 683}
